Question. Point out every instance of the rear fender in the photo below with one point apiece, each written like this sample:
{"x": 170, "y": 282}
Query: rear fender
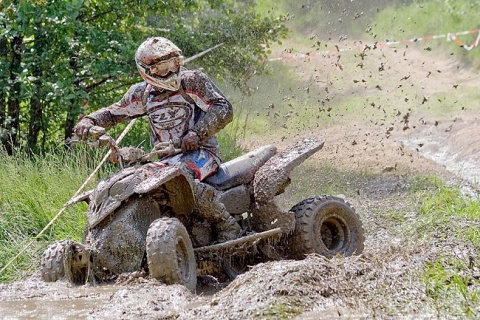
{"x": 274, "y": 175}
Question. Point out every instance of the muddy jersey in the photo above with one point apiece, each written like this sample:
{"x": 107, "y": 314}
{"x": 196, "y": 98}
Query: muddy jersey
{"x": 197, "y": 106}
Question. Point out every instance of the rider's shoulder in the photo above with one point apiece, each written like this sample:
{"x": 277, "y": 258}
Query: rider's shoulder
{"x": 135, "y": 92}
{"x": 192, "y": 74}
{"x": 136, "y": 89}
{"x": 139, "y": 87}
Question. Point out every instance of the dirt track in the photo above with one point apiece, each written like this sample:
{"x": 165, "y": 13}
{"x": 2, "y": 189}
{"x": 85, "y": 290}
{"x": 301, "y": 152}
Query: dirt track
{"x": 384, "y": 282}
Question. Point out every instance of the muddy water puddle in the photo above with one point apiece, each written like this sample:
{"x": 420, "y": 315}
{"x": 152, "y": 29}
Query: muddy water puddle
{"x": 35, "y": 299}
{"x": 56, "y": 302}
{"x": 47, "y": 309}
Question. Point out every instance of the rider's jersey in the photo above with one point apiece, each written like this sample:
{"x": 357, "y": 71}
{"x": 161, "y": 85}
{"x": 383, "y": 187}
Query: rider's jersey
{"x": 173, "y": 114}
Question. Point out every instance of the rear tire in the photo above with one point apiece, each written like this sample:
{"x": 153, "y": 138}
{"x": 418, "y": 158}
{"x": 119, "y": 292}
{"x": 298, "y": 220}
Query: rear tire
{"x": 170, "y": 253}
{"x": 235, "y": 264}
{"x": 326, "y": 225}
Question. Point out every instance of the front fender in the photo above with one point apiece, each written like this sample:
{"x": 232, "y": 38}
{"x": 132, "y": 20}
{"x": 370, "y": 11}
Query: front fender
{"x": 176, "y": 183}
{"x": 110, "y": 193}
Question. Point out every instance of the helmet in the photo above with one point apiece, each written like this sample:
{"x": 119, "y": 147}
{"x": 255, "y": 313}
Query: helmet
{"x": 158, "y": 61}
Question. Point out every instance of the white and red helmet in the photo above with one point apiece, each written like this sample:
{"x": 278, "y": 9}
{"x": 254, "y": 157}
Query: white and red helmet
{"x": 158, "y": 62}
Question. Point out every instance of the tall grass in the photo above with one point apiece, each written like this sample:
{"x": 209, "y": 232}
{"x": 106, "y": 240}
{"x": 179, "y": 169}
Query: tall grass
{"x": 32, "y": 192}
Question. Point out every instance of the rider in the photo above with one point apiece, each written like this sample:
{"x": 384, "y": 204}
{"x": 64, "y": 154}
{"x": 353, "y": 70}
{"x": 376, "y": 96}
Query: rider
{"x": 182, "y": 105}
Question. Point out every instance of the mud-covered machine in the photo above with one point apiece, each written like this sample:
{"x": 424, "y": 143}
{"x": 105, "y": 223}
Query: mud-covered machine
{"x": 142, "y": 219}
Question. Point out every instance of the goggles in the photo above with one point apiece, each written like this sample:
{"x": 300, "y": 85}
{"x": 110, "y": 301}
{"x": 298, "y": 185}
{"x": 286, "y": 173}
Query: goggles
{"x": 162, "y": 68}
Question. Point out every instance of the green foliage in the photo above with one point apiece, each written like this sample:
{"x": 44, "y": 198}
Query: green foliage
{"x": 58, "y": 55}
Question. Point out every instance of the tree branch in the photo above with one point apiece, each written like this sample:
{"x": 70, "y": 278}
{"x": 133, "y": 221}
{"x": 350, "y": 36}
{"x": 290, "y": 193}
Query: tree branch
{"x": 97, "y": 83}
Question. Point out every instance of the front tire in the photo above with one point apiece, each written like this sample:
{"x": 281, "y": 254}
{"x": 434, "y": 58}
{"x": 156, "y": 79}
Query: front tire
{"x": 53, "y": 260}
{"x": 328, "y": 226}
{"x": 67, "y": 259}
{"x": 170, "y": 253}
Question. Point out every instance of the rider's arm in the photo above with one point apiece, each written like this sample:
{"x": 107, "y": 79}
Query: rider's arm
{"x": 130, "y": 106}
{"x": 218, "y": 111}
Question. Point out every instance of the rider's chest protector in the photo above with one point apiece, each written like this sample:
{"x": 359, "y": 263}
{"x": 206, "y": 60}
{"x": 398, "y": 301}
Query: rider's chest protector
{"x": 170, "y": 115}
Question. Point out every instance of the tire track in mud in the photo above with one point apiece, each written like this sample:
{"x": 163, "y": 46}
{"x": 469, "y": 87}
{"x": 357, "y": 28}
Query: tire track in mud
{"x": 452, "y": 143}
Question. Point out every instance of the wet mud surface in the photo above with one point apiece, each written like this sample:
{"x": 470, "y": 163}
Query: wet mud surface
{"x": 384, "y": 282}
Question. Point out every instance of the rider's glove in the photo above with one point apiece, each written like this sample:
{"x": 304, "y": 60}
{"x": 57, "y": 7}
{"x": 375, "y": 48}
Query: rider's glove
{"x": 83, "y": 127}
{"x": 190, "y": 141}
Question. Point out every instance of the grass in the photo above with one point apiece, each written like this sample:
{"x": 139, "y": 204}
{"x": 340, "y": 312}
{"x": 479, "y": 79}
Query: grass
{"x": 446, "y": 206}
{"x": 282, "y": 310}
{"x": 444, "y": 211}
{"x": 448, "y": 280}
{"x": 451, "y": 281}
{"x": 32, "y": 192}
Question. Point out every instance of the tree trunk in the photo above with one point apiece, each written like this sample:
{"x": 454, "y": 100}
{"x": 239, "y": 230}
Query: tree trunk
{"x": 38, "y": 100}
{"x": 12, "y": 123}
{"x": 69, "y": 124}
{"x": 74, "y": 108}
{"x": 3, "y": 96}
{"x": 35, "y": 124}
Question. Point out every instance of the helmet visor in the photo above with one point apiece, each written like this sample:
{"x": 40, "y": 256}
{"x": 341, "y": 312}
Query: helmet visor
{"x": 161, "y": 68}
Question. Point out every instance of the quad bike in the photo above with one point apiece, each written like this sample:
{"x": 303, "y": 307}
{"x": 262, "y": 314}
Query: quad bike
{"x": 142, "y": 218}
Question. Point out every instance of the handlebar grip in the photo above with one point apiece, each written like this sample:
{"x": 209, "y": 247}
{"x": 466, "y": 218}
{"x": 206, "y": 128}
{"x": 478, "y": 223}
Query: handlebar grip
{"x": 96, "y": 132}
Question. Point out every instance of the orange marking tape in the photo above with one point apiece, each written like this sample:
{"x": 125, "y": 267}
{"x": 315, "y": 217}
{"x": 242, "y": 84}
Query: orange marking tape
{"x": 448, "y": 36}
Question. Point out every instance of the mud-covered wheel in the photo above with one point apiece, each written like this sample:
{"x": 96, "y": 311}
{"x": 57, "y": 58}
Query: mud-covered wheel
{"x": 235, "y": 264}
{"x": 65, "y": 258}
{"x": 53, "y": 260}
{"x": 170, "y": 253}
{"x": 326, "y": 225}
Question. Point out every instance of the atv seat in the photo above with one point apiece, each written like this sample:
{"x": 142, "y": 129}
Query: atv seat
{"x": 241, "y": 170}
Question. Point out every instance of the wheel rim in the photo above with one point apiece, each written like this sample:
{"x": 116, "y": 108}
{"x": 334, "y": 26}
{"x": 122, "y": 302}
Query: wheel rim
{"x": 332, "y": 233}
{"x": 235, "y": 264}
{"x": 182, "y": 259}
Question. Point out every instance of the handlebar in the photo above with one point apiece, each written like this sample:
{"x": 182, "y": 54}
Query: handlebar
{"x": 129, "y": 155}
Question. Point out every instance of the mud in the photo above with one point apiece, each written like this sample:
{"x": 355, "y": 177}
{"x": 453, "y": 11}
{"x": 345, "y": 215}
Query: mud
{"x": 452, "y": 143}
{"x": 384, "y": 282}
